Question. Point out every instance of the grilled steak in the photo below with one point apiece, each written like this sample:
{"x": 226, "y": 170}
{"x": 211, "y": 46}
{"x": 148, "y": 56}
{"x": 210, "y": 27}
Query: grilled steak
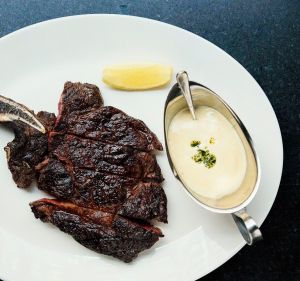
{"x": 99, "y": 231}
{"x": 98, "y": 162}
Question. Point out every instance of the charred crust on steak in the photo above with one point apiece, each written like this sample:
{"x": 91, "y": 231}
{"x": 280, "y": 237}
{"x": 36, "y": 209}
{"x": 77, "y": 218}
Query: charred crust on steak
{"x": 147, "y": 201}
{"x": 98, "y": 163}
{"x": 102, "y": 232}
{"x": 28, "y": 149}
{"x": 81, "y": 112}
{"x": 77, "y": 97}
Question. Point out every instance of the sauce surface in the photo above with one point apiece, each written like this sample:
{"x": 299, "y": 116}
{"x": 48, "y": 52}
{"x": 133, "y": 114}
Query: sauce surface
{"x": 226, "y": 176}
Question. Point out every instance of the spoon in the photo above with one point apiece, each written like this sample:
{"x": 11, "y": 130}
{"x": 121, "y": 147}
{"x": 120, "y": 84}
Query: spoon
{"x": 184, "y": 85}
{"x": 13, "y": 111}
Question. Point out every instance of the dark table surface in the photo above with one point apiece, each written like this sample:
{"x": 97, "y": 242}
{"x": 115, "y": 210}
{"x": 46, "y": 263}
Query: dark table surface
{"x": 264, "y": 36}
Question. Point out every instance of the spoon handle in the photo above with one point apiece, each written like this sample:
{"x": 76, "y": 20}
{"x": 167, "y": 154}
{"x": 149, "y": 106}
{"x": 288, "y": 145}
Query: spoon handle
{"x": 247, "y": 226}
{"x": 184, "y": 85}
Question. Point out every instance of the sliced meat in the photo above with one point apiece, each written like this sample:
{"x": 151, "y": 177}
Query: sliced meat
{"x": 111, "y": 125}
{"x": 93, "y": 189}
{"x": 102, "y": 232}
{"x": 108, "y": 158}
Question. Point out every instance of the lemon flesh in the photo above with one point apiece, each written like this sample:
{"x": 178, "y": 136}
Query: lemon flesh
{"x": 137, "y": 76}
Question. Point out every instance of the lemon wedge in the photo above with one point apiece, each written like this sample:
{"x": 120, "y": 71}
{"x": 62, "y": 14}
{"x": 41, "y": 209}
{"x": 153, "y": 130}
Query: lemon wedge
{"x": 137, "y": 76}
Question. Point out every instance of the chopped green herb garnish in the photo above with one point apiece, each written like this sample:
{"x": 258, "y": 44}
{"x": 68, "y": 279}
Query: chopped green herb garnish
{"x": 209, "y": 160}
{"x": 195, "y": 143}
{"x": 205, "y": 157}
{"x": 212, "y": 140}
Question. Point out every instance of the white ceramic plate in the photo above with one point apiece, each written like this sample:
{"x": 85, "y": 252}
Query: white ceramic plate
{"x": 34, "y": 64}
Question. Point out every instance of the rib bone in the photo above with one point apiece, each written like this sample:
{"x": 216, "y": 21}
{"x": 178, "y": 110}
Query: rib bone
{"x": 13, "y": 111}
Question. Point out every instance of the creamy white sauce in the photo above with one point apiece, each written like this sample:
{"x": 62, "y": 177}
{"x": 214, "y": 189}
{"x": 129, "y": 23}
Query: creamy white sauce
{"x": 226, "y": 176}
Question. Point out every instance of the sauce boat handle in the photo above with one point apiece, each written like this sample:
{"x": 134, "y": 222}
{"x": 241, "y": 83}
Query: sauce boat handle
{"x": 247, "y": 226}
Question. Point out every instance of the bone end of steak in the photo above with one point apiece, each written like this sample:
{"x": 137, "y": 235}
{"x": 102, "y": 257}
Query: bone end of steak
{"x": 13, "y": 111}
{"x": 102, "y": 232}
{"x": 28, "y": 149}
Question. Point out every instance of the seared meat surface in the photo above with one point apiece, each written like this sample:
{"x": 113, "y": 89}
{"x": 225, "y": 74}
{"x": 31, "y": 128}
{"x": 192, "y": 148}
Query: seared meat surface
{"x": 99, "y": 231}
{"x": 81, "y": 113}
{"x": 109, "y": 125}
{"x": 98, "y": 163}
{"x": 108, "y": 158}
{"x": 28, "y": 149}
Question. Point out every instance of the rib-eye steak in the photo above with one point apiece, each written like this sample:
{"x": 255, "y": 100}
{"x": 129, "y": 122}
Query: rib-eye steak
{"x": 98, "y": 163}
